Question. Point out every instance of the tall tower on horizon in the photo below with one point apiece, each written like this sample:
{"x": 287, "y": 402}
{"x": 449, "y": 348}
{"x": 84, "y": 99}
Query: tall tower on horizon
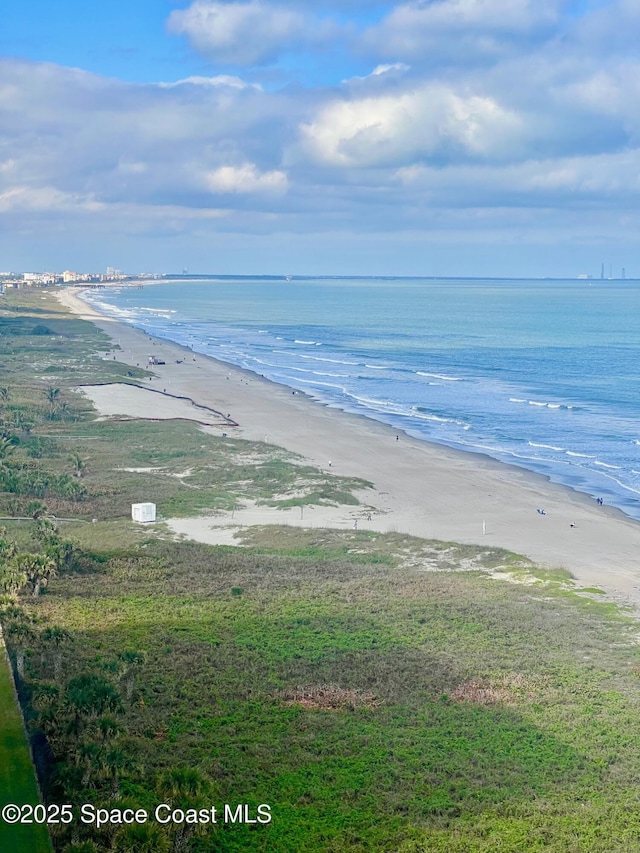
{"x": 602, "y": 271}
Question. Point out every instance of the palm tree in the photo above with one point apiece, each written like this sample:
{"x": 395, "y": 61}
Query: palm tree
{"x": 52, "y": 395}
{"x": 70, "y": 489}
{"x": 36, "y": 509}
{"x": 81, "y": 847}
{"x": 38, "y": 569}
{"x": 129, "y": 663}
{"x": 7, "y": 446}
{"x": 7, "y": 546}
{"x": 116, "y": 762}
{"x": 12, "y": 580}
{"x": 45, "y": 695}
{"x": 179, "y": 784}
{"x": 139, "y": 838}
{"x": 56, "y": 638}
{"x": 102, "y": 757}
{"x": 12, "y": 576}
{"x": 45, "y": 530}
{"x": 23, "y": 422}
{"x": 97, "y": 755}
{"x": 79, "y": 465}
{"x": 20, "y": 634}
{"x": 52, "y": 721}
{"x": 88, "y": 697}
{"x": 88, "y": 757}
{"x": 107, "y": 728}
{"x": 185, "y": 788}
{"x": 13, "y": 612}
{"x": 60, "y": 551}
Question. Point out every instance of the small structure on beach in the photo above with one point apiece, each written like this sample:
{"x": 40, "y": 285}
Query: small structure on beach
{"x": 143, "y": 512}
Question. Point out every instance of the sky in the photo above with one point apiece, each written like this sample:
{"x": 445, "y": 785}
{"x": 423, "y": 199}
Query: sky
{"x": 426, "y": 137}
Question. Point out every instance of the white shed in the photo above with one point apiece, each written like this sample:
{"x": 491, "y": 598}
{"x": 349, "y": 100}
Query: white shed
{"x": 143, "y": 512}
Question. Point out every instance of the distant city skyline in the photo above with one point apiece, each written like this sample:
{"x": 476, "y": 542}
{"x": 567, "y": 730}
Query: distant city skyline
{"x": 442, "y": 138}
{"x": 112, "y": 275}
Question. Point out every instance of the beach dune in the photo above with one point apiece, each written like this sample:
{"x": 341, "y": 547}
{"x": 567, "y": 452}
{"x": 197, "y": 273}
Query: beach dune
{"x": 420, "y": 488}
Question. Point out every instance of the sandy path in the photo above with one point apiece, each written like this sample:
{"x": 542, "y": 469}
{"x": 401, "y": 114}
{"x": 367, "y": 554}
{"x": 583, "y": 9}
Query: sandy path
{"x": 420, "y": 488}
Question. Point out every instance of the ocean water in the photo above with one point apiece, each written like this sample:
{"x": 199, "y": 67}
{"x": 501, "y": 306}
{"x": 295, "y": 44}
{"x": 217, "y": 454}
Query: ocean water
{"x": 541, "y": 374}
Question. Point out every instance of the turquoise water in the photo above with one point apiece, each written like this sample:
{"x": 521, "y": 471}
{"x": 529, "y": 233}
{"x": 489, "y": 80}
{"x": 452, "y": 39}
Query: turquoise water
{"x": 545, "y": 375}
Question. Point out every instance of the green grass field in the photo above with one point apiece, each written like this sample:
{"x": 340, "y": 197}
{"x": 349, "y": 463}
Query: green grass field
{"x": 374, "y": 707}
{"x": 17, "y": 778}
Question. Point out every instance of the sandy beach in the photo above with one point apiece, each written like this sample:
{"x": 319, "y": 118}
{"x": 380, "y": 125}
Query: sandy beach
{"x": 419, "y": 488}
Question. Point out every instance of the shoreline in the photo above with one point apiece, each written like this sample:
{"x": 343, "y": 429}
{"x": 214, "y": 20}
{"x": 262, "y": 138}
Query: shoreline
{"x": 420, "y": 488}
{"x": 611, "y": 479}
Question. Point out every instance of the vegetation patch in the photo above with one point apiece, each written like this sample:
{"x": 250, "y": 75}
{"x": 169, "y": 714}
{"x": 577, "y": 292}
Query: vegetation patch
{"x": 507, "y": 690}
{"x": 328, "y": 698}
{"x": 412, "y": 699}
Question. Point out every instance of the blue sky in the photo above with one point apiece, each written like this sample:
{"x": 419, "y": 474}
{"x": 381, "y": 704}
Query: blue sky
{"x": 434, "y": 137}
{"x": 119, "y": 38}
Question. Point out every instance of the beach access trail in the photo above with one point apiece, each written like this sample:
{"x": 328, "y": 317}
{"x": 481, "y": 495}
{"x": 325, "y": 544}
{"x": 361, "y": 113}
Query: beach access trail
{"x": 420, "y": 488}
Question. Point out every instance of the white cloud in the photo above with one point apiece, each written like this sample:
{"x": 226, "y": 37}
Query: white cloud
{"x": 75, "y": 141}
{"x": 610, "y": 29}
{"x": 246, "y": 179}
{"x": 509, "y": 15}
{"x": 459, "y": 31}
{"x": 37, "y": 199}
{"x": 246, "y": 33}
{"x": 609, "y": 93}
{"x": 432, "y": 121}
{"x": 563, "y": 182}
{"x": 390, "y": 71}
{"x": 385, "y": 69}
{"x": 219, "y": 80}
